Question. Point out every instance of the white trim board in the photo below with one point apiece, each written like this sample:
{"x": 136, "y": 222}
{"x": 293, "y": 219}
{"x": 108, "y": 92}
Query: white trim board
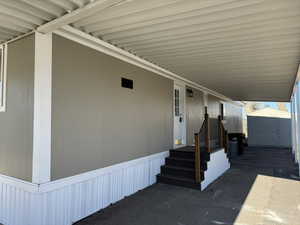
{"x": 3, "y": 67}
{"x": 68, "y": 200}
{"x": 17, "y": 38}
{"x": 17, "y": 183}
{"x": 42, "y": 109}
{"x": 184, "y": 141}
{"x": 109, "y": 49}
{"x": 61, "y": 183}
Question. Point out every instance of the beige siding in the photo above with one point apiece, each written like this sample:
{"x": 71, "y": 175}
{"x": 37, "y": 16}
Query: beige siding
{"x": 195, "y": 114}
{"x": 234, "y": 118}
{"x": 97, "y": 123}
{"x": 16, "y": 124}
{"x": 213, "y": 106}
{"x": 233, "y": 114}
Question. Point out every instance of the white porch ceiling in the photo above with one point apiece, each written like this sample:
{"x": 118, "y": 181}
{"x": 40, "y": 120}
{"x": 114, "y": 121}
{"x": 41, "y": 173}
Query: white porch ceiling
{"x": 244, "y": 49}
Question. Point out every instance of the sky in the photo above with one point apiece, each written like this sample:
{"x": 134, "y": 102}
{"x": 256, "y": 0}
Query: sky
{"x": 274, "y": 105}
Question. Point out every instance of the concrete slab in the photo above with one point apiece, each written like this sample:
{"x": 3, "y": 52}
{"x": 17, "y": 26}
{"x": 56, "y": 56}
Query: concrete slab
{"x": 271, "y": 201}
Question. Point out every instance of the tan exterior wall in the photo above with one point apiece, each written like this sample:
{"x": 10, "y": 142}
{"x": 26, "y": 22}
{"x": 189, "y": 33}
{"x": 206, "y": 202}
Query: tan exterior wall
{"x": 213, "y": 106}
{"x": 195, "y": 114}
{"x": 97, "y": 123}
{"x": 233, "y": 114}
{"x": 234, "y": 118}
{"x": 16, "y": 124}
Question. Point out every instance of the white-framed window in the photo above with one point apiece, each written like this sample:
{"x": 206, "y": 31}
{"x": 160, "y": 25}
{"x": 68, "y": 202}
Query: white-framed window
{"x": 3, "y": 62}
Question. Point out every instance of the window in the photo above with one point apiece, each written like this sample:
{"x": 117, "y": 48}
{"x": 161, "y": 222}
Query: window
{"x": 2, "y": 77}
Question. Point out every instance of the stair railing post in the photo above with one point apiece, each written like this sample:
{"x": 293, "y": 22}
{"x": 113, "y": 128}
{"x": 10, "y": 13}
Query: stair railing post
{"x": 226, "y": 140}
{"x": 207, "y": 133}
{"x": 221, "y": 132}
{"x": 197, "y": 158}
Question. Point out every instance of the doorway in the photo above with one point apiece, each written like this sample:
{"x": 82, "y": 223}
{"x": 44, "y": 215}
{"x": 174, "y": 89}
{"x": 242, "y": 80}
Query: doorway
{"x": 179, "y": 115}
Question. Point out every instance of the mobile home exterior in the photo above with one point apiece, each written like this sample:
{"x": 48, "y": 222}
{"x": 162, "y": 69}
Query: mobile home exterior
{"x": 96, "y": 95}
{"x": 99, "y": 141}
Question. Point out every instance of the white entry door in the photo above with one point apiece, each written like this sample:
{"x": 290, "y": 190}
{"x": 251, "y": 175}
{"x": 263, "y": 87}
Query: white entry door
{"x": 179, "y": 116}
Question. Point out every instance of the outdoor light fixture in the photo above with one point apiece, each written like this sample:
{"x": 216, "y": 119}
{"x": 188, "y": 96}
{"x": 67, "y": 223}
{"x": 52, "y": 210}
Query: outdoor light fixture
{"x": 190, "y": 93}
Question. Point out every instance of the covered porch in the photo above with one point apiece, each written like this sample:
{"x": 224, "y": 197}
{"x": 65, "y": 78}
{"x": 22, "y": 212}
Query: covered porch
{"x": 101, "y": 99}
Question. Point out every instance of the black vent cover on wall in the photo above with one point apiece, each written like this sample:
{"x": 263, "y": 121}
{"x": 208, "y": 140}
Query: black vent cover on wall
{"x": 127, "y": 83}
{"x": 190, "y": 93}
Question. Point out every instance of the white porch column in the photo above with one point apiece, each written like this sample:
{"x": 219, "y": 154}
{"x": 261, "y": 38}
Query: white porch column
{"x": 42, "y": 109}
{"x": 295, "y": 109}
{"x": 297, "y": 120}
{"x": 205, "y": 99}
{"x": 293, "y": 124}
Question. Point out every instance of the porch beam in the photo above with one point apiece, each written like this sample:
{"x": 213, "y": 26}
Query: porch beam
{"x": 85, "y": 11}
{"x": 42, "y": 109}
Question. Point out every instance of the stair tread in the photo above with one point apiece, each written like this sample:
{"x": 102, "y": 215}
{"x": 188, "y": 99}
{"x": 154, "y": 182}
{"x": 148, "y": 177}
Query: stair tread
{"x": 180, "y": 168}
{"x": 181, "y": 150}
{"x": 189, "y": 180}
{"x": 190, "y": 150}
{"x": 182, "y": 159}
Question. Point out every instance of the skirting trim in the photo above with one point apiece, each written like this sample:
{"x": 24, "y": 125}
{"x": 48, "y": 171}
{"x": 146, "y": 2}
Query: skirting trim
{"x": 68, "y": 200}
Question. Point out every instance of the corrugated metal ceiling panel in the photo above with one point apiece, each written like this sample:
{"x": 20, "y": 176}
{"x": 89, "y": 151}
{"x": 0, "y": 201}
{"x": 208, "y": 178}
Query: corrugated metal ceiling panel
{"x": 245, "y": 49}
{"x": 248, "y": 50}
{"x": 19, "y": 17}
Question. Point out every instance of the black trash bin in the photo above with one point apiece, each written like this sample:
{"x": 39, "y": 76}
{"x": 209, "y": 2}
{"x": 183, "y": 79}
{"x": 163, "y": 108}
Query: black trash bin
{"x": 240, "y": 138}
{"x": 233, "y": 148}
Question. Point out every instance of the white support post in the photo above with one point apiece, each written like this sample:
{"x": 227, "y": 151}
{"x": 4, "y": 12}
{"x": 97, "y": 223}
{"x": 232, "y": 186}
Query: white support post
{"x": 205, "y": 99}
{"x": 3, "y": 67}
{"x": 42, "y": 109}
{"x": 293, "y": 125}
{"x": 295, "y": 111}
{"x": 297, "y": 105}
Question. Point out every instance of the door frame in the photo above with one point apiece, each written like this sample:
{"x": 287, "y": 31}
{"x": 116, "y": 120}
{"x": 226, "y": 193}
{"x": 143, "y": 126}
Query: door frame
{"x": 183, "y": 86}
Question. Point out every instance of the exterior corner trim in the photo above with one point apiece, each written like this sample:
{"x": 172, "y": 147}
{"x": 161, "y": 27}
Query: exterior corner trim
{"x": 41, "y": 161}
